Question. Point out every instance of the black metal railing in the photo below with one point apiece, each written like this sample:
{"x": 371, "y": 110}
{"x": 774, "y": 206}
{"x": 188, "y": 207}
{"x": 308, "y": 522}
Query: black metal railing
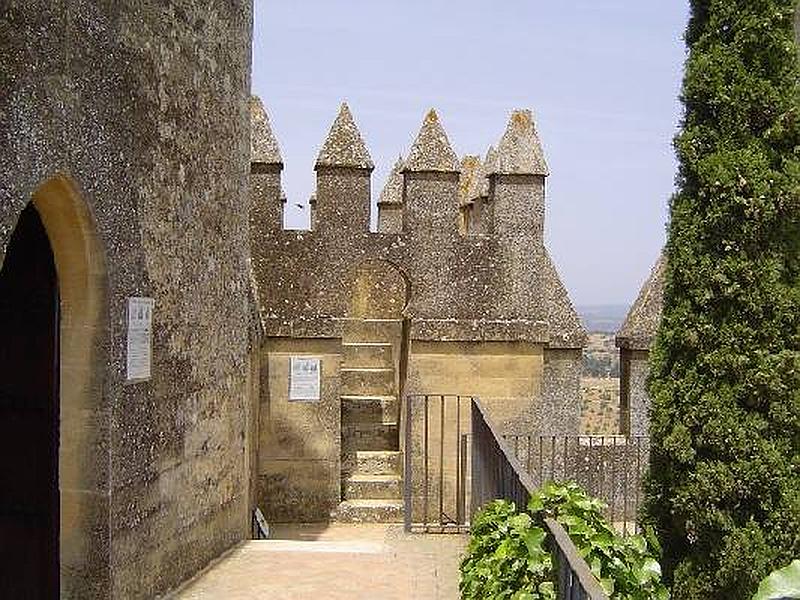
{"x": 436, "y": 472}
{"x": 497, "y": 473}
{"x": 455, "y": 459}
{"x": 609, "y": 467}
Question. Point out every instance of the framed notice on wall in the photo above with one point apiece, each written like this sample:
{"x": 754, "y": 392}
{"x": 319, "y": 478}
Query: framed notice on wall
{"x": 304, "y": 378}
{"x": 140, "y": 335}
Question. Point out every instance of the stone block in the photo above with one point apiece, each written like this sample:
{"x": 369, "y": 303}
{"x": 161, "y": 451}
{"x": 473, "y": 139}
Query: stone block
{"x": 367, "y": 354}
{"x": 370, "y": 436}
{"x": 367, "y": 381}
{"x": 369, "y": 409}
{"x": 299, "y": 490}
{"x": 370, "y": 511}
{"x": 383, "y": 487}
{"x": 378, "y": 462}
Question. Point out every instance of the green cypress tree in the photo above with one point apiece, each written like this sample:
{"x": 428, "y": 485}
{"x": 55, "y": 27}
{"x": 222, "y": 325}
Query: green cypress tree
{"x": 723, "y": 493}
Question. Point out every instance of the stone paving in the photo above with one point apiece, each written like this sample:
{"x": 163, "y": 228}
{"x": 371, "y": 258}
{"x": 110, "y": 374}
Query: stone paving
{"x": 332, "y": 562}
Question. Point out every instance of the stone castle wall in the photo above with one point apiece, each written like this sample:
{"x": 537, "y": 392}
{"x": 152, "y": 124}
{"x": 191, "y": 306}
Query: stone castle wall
{"x": 135, "y": 114}
{"x": 486, "y": 312}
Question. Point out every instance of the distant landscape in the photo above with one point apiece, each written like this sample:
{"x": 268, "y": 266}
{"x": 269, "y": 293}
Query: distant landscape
{"x": 600, "y": 381}
{"x": 603, "y": 318}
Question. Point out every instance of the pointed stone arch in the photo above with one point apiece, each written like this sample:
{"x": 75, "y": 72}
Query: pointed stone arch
{"x": 83, "y": 415}
{"x": 380, "y": 290}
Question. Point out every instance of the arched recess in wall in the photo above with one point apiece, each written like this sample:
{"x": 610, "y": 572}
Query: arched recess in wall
{"x": 381, "y": 292}
{"x": 81, "y": 533}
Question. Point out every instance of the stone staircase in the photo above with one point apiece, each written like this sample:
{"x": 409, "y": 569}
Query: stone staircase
{"x": 372, "y": 488}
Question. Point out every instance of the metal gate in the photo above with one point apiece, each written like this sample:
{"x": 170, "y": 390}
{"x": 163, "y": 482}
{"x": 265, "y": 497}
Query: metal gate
{"x": 437, "y": 466}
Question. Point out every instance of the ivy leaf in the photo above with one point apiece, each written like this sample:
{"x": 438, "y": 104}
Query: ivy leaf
{"x": 781, "y": 584}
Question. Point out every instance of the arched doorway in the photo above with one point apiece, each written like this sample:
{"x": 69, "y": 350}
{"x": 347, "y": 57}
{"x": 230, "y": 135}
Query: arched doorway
{"x": 29, "y": 414}
{"x": 54, "y": 418}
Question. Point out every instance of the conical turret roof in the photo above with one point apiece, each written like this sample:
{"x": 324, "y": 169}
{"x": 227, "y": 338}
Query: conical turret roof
{"x": 392, "y": 192}
{"x": 263, "y": 145}
{"x": 344, "y": 146}
{"x": 491, "y": 156}
{"x": 519, "y": 151}
{"x": 431, "y": 150}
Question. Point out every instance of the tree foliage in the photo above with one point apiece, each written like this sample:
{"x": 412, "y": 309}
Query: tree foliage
{"x": 724, "y": 488}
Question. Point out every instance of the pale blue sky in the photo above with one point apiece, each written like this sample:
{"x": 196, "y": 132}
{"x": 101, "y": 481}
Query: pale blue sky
{"x": 602, "y": 77}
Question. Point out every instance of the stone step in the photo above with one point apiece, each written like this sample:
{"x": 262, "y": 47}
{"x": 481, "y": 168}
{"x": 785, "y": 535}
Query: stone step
{"x": 367, "y": 354}
{"x": 367, "y": 381}
{"x": 370, "y": 511}
{"x": 369, "y": 409}
{"x": 372, "y": 330}
{"x": 375, "y": 487}
{"x": 370, "y": 436}
{"x": 378, "y": 462}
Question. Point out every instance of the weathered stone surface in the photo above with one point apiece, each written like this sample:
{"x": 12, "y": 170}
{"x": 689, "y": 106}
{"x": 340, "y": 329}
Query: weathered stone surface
{"x": 299, "y": 491}
{"x": 560, "y": 414}
{"x": 519, "y": 151}
{"x": 376, "y": 487}
{"x": 431, "y": 150}
{"x": 378, "y": 462}
{"x": 634, "y": 339}
{"x": 370, "y": 511}
{"x": 499, "y": 285}
{"x": 136, "y": 116}
{"x": 263, "y": 145}
{"x": 641, "y": 323}
{"x": 467, "y": 182}
{"x": 367, "y": 354}
{"x": 344, "y": 146}
{"x": 634, "y": 399}
{"x": 491, "y": 155}
{"x": 392, "y": 192}
{"x": 365, "y": 409}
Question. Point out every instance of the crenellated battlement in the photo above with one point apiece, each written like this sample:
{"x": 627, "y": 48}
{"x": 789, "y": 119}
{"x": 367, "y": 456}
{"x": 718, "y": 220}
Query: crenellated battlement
{"x": 466, "y": 233}
{"x": 469, "y": 191}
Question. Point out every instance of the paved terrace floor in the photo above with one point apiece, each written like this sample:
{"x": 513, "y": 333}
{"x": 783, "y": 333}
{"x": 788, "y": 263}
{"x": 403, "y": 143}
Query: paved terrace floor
{"x": 332, "y": 562}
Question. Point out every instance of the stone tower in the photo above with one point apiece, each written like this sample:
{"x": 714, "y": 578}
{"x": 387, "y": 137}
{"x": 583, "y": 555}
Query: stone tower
{"x": 432, "y": 302}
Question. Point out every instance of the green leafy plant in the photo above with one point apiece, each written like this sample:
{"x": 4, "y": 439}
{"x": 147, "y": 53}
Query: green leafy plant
{"x": 506, "y": 557}
{"x": 723, "y": 494}
{"x": 625, "y": 565}
{"x": 783, "y": 584}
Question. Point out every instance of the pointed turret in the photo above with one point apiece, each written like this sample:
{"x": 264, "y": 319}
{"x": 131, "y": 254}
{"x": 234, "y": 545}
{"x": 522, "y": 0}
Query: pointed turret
{"x": 519, "y": 151}
{"x": 470, "y": 170}
{"x": 392, "y": 192}
{"x": 264, "y": 147}
{"x": 344, "y": 146}
{"x": 266, "y": 204}
{"x": 517, "y": 172}
{"x": 430, "y": 182}
{"x": 431, "y": 150}
{"x": 634, "y": 340}
{"x": 390, "y": 203}
{"x": 343, "y": 178}
{"x": 477, "y": 193}
{"x": 491, "y": 156}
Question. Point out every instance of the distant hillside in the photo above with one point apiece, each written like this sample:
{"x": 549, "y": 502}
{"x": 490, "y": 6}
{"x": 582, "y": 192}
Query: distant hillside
{"x": 603, "y": 318}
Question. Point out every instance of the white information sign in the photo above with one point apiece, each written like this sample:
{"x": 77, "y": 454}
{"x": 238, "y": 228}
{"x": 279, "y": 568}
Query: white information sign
{"x": 304, "y": 378}
{"x": 140, "y": 333}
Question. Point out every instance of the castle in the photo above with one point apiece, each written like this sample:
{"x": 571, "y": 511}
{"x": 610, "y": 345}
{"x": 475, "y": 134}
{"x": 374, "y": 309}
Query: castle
{"x": 155, "y": 313}
{"x": 457, "y": 283}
